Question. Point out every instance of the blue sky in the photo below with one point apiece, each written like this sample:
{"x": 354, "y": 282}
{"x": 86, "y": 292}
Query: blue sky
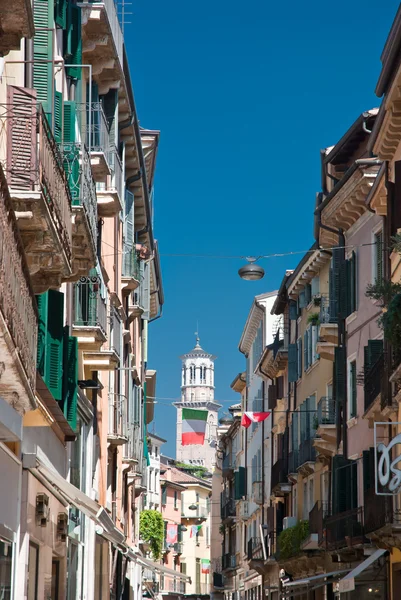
{"x": 245, "y": 94}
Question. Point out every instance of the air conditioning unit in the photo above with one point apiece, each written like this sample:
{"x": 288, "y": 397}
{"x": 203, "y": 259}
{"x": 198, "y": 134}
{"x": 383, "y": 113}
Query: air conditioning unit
{"x": 62, "y": 526}
{"x": 289, "y": 522}
{"x": 42, "y": 509}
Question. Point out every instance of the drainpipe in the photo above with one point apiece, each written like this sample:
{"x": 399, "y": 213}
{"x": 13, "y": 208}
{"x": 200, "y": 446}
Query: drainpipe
{"x": 341, "y": 333}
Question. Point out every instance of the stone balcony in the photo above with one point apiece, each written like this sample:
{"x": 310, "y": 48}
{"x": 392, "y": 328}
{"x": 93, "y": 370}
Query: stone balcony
{"x": 38, "y": 189}
{"x": 102, "y": 43}
{"x": 18, "y": 316}
{"x": 16, "y": 22}
{"x": 109, "y": 193}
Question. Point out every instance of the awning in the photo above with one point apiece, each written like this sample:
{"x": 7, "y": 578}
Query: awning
{"x": 296, "y": 588}
{"x": 158, "y": 567}
{"x": 348, "y": 582}
{"x": 81, "y": 501}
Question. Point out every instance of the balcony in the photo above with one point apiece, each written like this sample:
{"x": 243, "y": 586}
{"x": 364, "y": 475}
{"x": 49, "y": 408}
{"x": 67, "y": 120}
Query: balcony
{"x": 255, "y": 549}
{"x": 228, "y": 509}
{"x": 110, "y": 192}
{"x": 117, "y": 433}
{"x": 328, "y": 327}
{"x": 97, "y": 137}
{"x": 228, "y": 465}
{"x": 102, "y": 43}
{"x": 344, "y": 529}
{"x": 201, "y": 511}
{"x": 16, "y": 23}
{"x": 257, "y": 492}
{"x": 244, "y": 510}
{"x": 84, "y": 208}
{"x": 135, "y": 305}
{"x": 141, "y": 477}
{"x": 18, "y": 317}
{"x": 228, "y": 562}
{"x": 130, "y": 276}
{"x": 132, "y": 449}
{"x": 307, "y": 457}
{"x": 89, "y": 313}
{"x": 279, "y": 481}
{"x": 381, "y": 521}
{"x": 326, "y": 435}
{"x": 38, "y": 189}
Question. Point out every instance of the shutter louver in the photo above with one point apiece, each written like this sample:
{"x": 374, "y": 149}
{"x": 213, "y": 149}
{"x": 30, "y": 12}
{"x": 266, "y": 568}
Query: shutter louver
{"x": 43, "y": 16}
{"x": 58, "y": 112}
{"x": 75, "y": 36}
{"x": 339, "y": 279}
{"x": 71, "y": 152}
{"x": 42, "y": 302}
{"x": 60, "y": 13}
{"x": 22, "y": 138}
{"x": 54, "y": 345}
{"x": 145, "y": 283}
{"x": 70, "y": 380}
{"x": 293, "y": 308}
{"x": 306, "y": 364}
{"x": 339, "y": 375}
{"x": 373, "y": 352}
{"x": 128, "y": 233}
{"x": 292, "y": 363}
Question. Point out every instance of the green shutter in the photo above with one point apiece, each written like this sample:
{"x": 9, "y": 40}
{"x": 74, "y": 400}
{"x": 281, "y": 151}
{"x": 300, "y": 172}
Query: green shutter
{"x": 339, "y": 375}
{"x": 308, "y": 293}
{"x": 306, "y": 363}
{"x": 54, "y": 344}
{"x": 373, "y": 351}
{"x": 339, "y": 485}
{"x": 43, "y": 16}
{"x": 60, "y": 13}
{"x": 42, "y": 302}
{"x": 292, "y": 363}
{"x": 70, "y": 379}
{"x": 74, "y": 42}
{"x": 353, "y": 398}
{"x": 71, "y": 152}
{"x": 302, "y": 300}
{"x": 164, "y": 495}
{"x": 239, "y": 483}
{"x": 304, "y": 416}
{"x": 293, "y": 309}
{"x": 339, "y": 280}
{"x": 58, "y": 111}
{"x": 299, "y": 352}
{"x": 353, "y": 287}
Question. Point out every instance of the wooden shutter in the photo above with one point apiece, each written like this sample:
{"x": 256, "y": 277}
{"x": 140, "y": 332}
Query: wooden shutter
{"x": 293, "y": 309}
{"x": 70, "y": 379}
{"x": 306, "y": 354}
{"x": 302, "y": 300}
{"x": 280, "y": 387}
{"x": 60, "y": 13}
{"x": 315, "y": 285}
{"x": 339, "y": 375}
{"x": 396, "y": 198}
{"x": 353, "y": 399}
{"x": 164, "y": 495}
{"x": 128, "y": 231}
{"x": 43, "y": 16}
{"x": 311, "y": 416}
{"x": 42, "y": 302}
{"x": 295, "y": 431}
{"x": 21, "y": 138}
{"x": 339, "y": 279}
{"x": 58, "y": 115}
{"x": 353, "y": 287}
{"x": 373, "y": 351}
{"x": 71, "y": 152}
{"x": 339, "y": 486}
{"x": 304, "y": 416}
{"x": 145, "y": 284}
{"x": 299, "y": 350}
{"x": 239, "y": 483}
{"x": 74, "y": 34}
{"x": 368, "y": 469}
{"x": 54, "y": 344}
{"x": 308, "y": 294}
{"x": 292, "y": 363}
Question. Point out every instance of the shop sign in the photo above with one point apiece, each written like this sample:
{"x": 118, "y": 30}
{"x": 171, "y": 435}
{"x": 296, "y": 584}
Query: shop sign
{"x": 387, "y": 462}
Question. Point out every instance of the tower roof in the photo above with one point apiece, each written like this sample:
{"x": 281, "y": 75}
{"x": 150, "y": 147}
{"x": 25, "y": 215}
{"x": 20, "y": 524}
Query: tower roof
{"x": 197, "y": 352}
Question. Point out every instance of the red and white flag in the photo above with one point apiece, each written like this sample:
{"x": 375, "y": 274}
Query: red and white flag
{"x": 253, "y": 417}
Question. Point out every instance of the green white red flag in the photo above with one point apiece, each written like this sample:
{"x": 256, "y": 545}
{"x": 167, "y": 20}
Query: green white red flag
{"x": 193, "y": 426}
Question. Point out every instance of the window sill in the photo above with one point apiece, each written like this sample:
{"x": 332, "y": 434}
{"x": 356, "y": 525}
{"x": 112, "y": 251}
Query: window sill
{"x": 352, "y": 422}
{"x": 351, "y": 317}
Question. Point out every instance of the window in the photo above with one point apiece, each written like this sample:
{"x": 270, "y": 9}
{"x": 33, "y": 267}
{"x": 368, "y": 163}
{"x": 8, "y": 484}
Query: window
{"x": 164, "y": 495}
{"x": 378, "y": 257}
{"x": 175, "y": 500}
{"x": 156, "y": 451}
{"x": 308, "y": 293}
{"x": 352, "y": 389}
{"x": 310, "y": 342}
{"x": 33, "y": 568}
{"x": 315, "y": 285}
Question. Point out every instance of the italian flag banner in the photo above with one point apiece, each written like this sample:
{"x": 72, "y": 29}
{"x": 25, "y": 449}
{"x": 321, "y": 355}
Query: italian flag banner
{"x": 193, "y": 426}
{"x": 195, "y": 529}
{"x": 253, "y": 417}
{"x": 205, "y": 565}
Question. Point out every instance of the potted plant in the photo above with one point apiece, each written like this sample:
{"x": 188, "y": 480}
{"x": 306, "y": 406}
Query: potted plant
{"x": 317, "y": 300}
{"x": 313, "y": 319}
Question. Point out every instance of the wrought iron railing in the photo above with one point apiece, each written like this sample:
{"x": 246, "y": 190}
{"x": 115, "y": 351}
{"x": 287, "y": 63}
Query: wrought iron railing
{"x": 255, "y": 549}
{"x": 328, "y": 309}
{"x": 89, "y": 305}
{"x": 271, "y": 544}
{"x": 130, "y": 263}
{"x": 377, "y": 510}
{"x": 228, "y": 508}
{"x": 326, "y": 411}
{"x": 97, "y": 135}
{"x": 307, "y": 452}
{"x": 33, "y": 162}
{"x": 118, "y": 415}
{"x": 228, "y": 561}
{"x": 117, "y": 169}
{"x": 17, "y": 301}
{"x": 77, "y": 166}
{"x": 344, "y": 529}
{"x": 279, "y": 473}
{"x": 373, "y": 381}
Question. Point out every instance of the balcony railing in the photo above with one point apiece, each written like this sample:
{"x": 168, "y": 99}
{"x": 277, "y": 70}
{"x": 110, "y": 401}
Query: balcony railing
{"x": 228, "y": 509}
{"x": 307, "y": 452}
{"x": 328, "y": 309}
{"x": 344, "y": 529}
{"x": 373, "y": 381}
{"x": 326, "y": 411}
{"x": 17, "y": 300}
{"x": 118, "y": 417}
{"x": 97, "y": 136}
{"x": 130, "y": 266}
{"x": 378, "y": 511}
{"x": 279, "y": 473}
{"x": 228, "y": 464}
{"x": 255, "y": 549}
{"x": 271, "y": 545}
{"x": 89, "y": 305}
{"x": 201, "y": 512}
{"x": 228, "y": 561}
{"x": 77, "y": 166}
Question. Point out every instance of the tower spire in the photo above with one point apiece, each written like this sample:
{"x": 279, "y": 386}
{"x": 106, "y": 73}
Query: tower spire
{"x": 197, "y": 335}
